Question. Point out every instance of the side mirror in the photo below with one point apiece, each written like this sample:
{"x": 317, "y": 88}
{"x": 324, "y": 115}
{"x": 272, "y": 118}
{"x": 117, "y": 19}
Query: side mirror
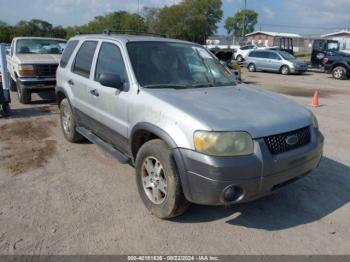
{"x": 112, "y": 80}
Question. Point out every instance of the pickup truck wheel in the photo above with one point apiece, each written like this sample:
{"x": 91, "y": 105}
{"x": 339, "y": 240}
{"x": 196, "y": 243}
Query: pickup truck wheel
{"x": 24, "y": 95}
{"x": 158, "y": 182}
{"x": 68, "y": 122}
{"x": 339, "y": 73}
{"x": 13, "y": 86}
{"x": 285, "y": 70}
{"x": 6, "y": 109}
{"x": 239, "y": 59}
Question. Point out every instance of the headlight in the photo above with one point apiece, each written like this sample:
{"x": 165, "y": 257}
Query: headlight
{"x": 26, "y": 70}
{"x": 223, "y": 143}
{"x": 314, "y": 121}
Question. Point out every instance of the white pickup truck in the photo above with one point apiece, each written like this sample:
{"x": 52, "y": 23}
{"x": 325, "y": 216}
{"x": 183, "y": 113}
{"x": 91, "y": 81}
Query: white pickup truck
{"x": 32, "y": 64}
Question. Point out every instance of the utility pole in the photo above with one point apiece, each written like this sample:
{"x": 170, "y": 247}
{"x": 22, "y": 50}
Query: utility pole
{"x": 138, "y": 12}
{"x": 244, "y": 19}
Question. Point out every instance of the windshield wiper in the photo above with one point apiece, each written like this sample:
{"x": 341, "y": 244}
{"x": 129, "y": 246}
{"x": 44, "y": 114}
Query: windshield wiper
{"x": 199, "y": 85}
{"x": 174, "y": 86}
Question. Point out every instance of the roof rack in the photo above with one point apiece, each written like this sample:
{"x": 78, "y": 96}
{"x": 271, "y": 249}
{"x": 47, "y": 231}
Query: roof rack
{"x": 134, "y": 32}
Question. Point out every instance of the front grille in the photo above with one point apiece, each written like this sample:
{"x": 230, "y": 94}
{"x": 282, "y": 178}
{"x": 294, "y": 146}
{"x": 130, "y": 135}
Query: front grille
{"x": 46, "y": 70}
{"x": 277, "y": 144}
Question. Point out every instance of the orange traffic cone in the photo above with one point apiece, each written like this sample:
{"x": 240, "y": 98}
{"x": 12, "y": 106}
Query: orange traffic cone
{"x": 314, "y": 101}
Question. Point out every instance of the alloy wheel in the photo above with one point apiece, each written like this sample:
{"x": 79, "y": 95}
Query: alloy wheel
{"x": 66, "y": 119}
{"x": 153, "y": 180}
{"x": 338, "y": 73}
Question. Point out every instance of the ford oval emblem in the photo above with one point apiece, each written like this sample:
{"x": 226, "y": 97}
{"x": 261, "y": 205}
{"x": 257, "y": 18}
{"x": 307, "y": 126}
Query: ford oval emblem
{"x": 292, "y": 140}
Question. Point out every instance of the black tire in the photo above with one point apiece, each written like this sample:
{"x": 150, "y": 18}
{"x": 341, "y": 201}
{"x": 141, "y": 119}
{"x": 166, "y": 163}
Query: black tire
{"x": 339, "y": 73}
{"x": 13, "y": 86}
{"x": 285, "y": 70}
{"x": 174, "y": 202}
{"x": 68, "y": 124}
{"x": 6, "y": 109}
{"x": 239, "y": 59}
{"x": 252, "y": 67}
{"x": 24, "y": 95}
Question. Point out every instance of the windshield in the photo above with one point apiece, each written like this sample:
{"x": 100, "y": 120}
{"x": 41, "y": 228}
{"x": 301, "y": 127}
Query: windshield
{"x": 287, "y": 56}
{"x": 176, "y": 65}
{"x": 40, "y": 46}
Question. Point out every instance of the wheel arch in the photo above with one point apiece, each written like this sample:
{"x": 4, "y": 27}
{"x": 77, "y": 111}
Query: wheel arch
{"x": 143, "y": 132}
{"x": 342, "y": 64}
{"x": 60, "y": 95}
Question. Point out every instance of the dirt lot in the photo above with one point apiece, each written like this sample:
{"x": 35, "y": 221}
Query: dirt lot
{"x": 62, "y": 198}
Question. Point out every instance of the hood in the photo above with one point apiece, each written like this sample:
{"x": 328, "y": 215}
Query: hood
{"x": 297, "y": 61}
{"x": 239, "y": 108}
{"x": 38, "y": 58}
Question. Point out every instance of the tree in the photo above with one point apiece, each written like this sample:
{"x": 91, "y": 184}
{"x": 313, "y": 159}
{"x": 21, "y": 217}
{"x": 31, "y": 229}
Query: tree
{"x": 235, "y": 24}
{"x": 151, "y": 19}
{"x": 114, "y": 21}
{"x": 6, "y": 32}
{"x": 190, "y": 20}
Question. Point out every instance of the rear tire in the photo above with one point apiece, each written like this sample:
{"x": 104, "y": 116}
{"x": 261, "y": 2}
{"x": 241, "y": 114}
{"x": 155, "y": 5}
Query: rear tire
{"x": 252, "y": 67}
{"x": 285, "y": 70}
{"x": 24, "y": 95}
{"x": 339, "y": 73}
{"x": 68, "y": 124}
{"x": 239, "y": 59}
{"x": 158, "y": 182}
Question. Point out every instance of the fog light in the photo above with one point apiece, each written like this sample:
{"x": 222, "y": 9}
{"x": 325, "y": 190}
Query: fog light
{"x": 233, "y": 194}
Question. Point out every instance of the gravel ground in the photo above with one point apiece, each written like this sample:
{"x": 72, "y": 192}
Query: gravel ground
{"x": 62, "y": 198}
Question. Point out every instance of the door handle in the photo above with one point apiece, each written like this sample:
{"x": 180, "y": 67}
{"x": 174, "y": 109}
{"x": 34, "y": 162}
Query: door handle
{"x": 70, "y": 82}
{"x": 94, "y": 92}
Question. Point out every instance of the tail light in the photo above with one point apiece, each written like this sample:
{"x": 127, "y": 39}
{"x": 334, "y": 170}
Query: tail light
{"x": 325, "y": 60}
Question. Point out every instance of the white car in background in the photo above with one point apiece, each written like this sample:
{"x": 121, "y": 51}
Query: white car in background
{"x": 244, "y": 51}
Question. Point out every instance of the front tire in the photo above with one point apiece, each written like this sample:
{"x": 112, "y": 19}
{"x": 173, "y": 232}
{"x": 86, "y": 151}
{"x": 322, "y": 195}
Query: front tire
{"x": 158, "y": 182}
{"x": 285, "y": 70}
{"x": 68, "y": 122}
{"x": 24, "y": 95}
{"x": 251, "y": 68}
{"x": 339, "y": 73}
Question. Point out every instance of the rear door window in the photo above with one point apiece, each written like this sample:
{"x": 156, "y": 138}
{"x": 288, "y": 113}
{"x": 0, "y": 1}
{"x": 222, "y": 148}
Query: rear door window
{"x": 264, "y": 55}
{"x": 254, "y": 54}
{"x": 83, "y": 60}
{"x": 274, "y": 56}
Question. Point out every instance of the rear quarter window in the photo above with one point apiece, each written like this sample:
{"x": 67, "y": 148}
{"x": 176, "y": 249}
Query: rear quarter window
{"x": 84, "y": 57}
{"x": 67, "y": 53}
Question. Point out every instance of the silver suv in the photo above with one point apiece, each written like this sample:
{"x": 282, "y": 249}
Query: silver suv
{"x": 170, "y": 109}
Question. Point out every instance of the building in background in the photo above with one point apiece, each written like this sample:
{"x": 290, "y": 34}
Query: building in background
{"x": 221, "y": 41}
{"x": 342, "y": 36}
{"x": 270, "y": 39}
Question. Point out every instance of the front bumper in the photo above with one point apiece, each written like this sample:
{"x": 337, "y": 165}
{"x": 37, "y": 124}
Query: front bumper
{"x": 206, "y": 178}
{"x": 298, "y": 69}
{"x": 38, "y": 84}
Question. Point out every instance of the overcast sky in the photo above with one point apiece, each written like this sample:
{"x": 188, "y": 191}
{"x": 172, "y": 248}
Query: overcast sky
{"x": 307, "y": 16}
